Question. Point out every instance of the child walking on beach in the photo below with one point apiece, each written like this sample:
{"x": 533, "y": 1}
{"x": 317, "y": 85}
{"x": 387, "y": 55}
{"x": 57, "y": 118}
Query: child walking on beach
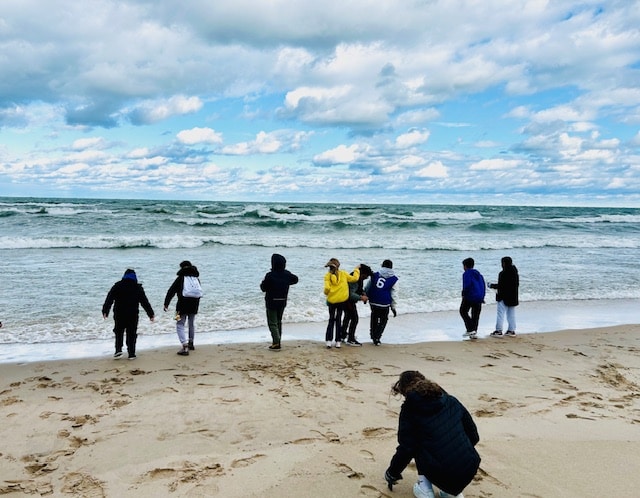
{"x": 436, "y": 431}
{"x": 186, "y": 307}
{"x": 381, "y": 293}
{"x": 473, "y": 292}
{"x": 126, "y": 296}
{"x": 275, "y": 285}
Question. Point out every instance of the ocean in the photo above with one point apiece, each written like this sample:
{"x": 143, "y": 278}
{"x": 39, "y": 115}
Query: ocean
{"x": 59, "y": 257}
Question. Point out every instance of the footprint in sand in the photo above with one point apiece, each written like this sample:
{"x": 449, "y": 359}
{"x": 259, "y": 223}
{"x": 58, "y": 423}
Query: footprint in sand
{"x": 367, "y": 455}
{"x": 376, "y": 431}
{"x": 77, "y": 484}
{"x": 372, "y": 491}
{"x": 245, "y": 462}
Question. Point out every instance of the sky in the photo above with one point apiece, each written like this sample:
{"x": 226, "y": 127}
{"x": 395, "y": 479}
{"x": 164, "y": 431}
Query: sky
{"x": 378, "y": 101}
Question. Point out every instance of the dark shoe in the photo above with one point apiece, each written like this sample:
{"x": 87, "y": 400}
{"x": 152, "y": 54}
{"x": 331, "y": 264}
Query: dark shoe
{"x": 191, "y": 347}
{"x": 353, "y": 343}
{"x": 275, "y": 347}
{"x": 183, "y": 352}
{"x": 497, "y": 332}
{"x": 118, "y": 355}
{"x": 132, "y": 357}
{"x": 509, "y": 332}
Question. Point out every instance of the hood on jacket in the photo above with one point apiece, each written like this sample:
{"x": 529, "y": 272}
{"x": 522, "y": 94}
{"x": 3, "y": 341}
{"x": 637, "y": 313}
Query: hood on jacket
{"x": 130, "y": 274}
{"x": 188, "y": 271}
{"x": 386, "y": 272}
{"x": 278, "y": 262}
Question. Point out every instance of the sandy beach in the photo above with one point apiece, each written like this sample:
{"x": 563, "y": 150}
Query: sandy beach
{"x": 558, "y": 415}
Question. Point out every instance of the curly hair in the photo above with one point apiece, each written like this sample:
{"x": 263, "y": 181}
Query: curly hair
{"x": 414, "y": 381}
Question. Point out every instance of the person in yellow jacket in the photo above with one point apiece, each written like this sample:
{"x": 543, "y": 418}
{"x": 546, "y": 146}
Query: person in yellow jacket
{"x": 336, "y": 288}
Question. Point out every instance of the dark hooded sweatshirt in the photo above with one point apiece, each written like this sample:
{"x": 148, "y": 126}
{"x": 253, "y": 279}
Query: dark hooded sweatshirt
{"x": 276, "y": 283}
{"x": 440, "y": 435}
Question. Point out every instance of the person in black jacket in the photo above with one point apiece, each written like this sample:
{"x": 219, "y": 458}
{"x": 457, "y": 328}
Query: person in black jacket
{"x": 437, "y": 431}
{"x": 126, "y": 296}
{"x": 275, "y": 285}
{"x": 507, "y": 297}
{"x": 186, "y": 307}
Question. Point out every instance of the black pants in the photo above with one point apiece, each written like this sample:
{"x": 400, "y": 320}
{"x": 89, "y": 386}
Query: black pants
{"x": 470, "y": 320}
{"x": 379, "y": 319}
{"x": 350, "y": 320}
{"x": 130, "y": 326}
{"x": 335, "y": 322}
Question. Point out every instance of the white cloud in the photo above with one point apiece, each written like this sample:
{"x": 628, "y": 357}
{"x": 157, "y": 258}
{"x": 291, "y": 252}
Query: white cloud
{"x": 199, "y": 135}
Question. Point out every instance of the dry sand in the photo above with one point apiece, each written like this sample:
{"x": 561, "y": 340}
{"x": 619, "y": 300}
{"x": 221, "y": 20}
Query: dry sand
{"x": 558, "y": 415}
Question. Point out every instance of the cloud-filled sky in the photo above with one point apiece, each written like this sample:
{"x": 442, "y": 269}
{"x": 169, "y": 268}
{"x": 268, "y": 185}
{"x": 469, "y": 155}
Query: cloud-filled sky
{"x": 417, "y": 101}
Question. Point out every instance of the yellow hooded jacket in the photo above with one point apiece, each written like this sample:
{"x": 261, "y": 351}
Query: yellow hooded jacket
{"x": 336, "y": 285}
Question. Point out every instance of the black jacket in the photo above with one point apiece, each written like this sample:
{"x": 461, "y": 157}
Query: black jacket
{"x": 507, "y": 286}
{"x": 185, "y": 305}
{"x": 127, "y": 294}
{"x": 276, "y": 283}
{"x": 440, "y": 435}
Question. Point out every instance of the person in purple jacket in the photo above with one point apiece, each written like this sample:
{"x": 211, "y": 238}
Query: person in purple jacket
{"x": 436, "y": 431}
{"x": 473, "y": 291}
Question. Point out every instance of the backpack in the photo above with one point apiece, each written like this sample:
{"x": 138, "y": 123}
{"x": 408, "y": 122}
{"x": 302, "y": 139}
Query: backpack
{"x": 191, "y": 287}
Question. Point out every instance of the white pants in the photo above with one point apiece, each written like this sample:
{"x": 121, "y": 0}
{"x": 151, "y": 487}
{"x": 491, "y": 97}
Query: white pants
{"x": 503, "y": 310}
{"x": 180, "y": 328}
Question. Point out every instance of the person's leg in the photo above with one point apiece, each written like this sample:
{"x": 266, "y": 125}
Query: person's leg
{"x": 132, "y": 336}
{"x": 423, "y": 488}
{"x": 118, "y": 330}
{"x": 333, "y": 311}
{"x": 382, "y": 321}
{"x": 511, "y": 318}
{"x": 353, "y": 323}
{"x": 475, "y": 315}
{"x": 339, "y": 330}
{"x": 500, "y": 311}
{"x": 279, "y": 315}
{"x": 349, "y": 307}
{"x": 180, "y": 331}
{"x": 465, "y": 306}
{"x": 191, "y": 318}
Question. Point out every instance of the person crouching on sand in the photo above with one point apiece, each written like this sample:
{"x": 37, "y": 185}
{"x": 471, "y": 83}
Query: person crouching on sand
{"x": 437, "y": 431}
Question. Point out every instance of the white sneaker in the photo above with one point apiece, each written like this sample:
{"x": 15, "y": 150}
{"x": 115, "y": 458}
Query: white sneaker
{"x": 447, "y": 495}
{"x": 328, "y": 344}
{"x": 469, "y": 334}
{"x": 338, "y": 344}
{"x": 422, "y": 492}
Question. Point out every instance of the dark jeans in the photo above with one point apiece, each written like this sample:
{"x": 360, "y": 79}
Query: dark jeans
{"x": 335, "y": 322}
{"x": 350, "y": 320}
{"x": 470, "y": 321}
{"x": 274, "y": 321}
{"x": 130, "y": 326}
{"x": 379, "y": 319}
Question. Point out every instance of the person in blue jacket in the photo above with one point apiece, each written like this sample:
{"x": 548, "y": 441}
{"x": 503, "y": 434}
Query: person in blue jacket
{"x": 436, "y": 431}
{"x": 381, "y": 292}
{"x": 275, "y": 285}
{"x": 473, "y": 292}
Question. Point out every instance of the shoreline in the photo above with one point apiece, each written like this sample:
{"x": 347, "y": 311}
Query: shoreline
{"x": 406, "y": 328}
{"x": 557, "y": 415}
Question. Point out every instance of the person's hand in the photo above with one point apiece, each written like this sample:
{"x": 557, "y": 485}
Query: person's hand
{"x": 395, "y": 313}
{"x": 104, "y": 316}
{"x": 166, "y": 308}
{"x": 152, "y": 318}
{"x": 391, "y": 479}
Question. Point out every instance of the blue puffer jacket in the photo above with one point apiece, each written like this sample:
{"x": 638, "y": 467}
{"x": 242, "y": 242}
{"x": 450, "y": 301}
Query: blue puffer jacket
{"x": 440, "y": 435}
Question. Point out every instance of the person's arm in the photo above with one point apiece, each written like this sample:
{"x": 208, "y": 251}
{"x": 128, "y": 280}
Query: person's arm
{"x": 146, "y": 305}
{"x": 173, "y": 290}
{"x": 108, "y": 302}
{"x": 405, "y": 450}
